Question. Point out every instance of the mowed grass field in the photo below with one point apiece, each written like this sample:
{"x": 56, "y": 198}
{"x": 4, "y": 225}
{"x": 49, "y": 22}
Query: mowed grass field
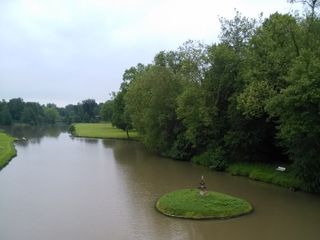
{"x": 7, "y": 150}
{"x": 102, "y": 130}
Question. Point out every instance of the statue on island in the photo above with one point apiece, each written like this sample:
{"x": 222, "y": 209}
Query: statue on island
{"x": 202, "y": 187}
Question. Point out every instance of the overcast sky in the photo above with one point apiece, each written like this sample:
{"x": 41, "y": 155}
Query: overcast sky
{"x": 65, "y": 51}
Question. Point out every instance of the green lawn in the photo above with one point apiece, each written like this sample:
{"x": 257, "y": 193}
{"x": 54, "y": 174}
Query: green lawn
{"x": 101, "y": 130}
{"x": 188, "y": 203}
{"x": 7, "y": 150}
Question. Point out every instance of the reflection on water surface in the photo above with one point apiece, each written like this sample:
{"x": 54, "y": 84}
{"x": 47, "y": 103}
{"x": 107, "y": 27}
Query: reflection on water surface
{"x": 63, "y": 188}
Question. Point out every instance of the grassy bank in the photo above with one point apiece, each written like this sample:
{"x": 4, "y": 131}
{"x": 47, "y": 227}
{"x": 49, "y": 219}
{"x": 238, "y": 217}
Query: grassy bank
{"x": 7, "y": 150}
{"x": 266, "y": 173}
{"x": 256, "y": 171}
{"x": 188, "y": 203}
{"x": 101, "y": 130}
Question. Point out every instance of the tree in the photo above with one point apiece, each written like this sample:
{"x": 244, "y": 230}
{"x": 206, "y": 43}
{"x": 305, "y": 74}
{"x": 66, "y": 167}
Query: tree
{"x": 5, "y": 116}
{"x": 120, "y": 117}
{"x": 15, "y": 107}
{"x": 311, "y": 4}
{"x": 51, "y": 114}
{"x": 151, "y": 103}
{"x": 32, "y": 114}
{"x": 193, "y": 60}
{"x": 237, "y": 32}
{"x": 297, "y": 109}
{"x": 106, "y": 111}
{"x": 270, "y": 55}
{"x": 89, "y": 110}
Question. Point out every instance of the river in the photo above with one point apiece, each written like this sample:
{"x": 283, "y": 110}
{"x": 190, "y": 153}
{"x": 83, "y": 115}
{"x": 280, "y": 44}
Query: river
{"x": 63, "y": 188}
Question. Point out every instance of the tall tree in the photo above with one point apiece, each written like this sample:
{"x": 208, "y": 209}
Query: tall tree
{"x": 120, "y": 117}
{"x": 151, "y": 102}
{"x": 89, "y": 109}
{"x": 5, "y": 116}
{"x": 32, "y": 114}
{"x": 51, "y": 114}
{"x": 106, "y": 111}
{"x": 15, "y": 107}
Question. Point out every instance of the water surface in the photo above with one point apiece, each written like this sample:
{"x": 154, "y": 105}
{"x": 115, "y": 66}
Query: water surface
{"x": 60, "y": 187}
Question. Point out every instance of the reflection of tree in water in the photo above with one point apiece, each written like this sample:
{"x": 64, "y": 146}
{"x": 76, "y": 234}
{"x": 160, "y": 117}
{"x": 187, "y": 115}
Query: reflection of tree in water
{"x": 91, "y": 140}
{"x": 34, "y": 134}
{"x": 109, "y": 143}
{"x": 143, "y": 177}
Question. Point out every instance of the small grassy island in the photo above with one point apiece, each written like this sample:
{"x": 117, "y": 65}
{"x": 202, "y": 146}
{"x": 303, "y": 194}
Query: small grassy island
{"x": 7, "y": 150}
{"x": 189, "y": 203}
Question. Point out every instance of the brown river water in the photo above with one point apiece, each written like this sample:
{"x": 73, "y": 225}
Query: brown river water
{"x": 63, "y": 188}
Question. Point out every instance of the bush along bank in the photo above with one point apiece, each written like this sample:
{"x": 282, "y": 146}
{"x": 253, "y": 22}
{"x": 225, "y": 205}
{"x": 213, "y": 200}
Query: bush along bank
{"x": 267, "y": 173}
{"x": 263, "y": 172}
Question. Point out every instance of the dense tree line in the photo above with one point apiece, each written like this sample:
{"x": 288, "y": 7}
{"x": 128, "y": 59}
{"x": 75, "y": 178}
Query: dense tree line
{"x": 16, "y": 111}
{"x": 254, "y": 96}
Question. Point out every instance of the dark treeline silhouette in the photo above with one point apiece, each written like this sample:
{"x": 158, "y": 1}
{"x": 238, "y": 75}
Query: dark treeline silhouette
{"x": 16, "y": 111}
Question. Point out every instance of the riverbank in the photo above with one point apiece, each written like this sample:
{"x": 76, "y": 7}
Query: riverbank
{"x": 256, "y": 171}
{"x": 266, "y": 173}
{"x": 7, "y": 150}
{"x": 101, "y": 130}
{"x": 189, "y": 203}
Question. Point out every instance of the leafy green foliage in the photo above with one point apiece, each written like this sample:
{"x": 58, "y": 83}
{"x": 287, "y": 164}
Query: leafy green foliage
{"x": 32, "y": 113}
{"x": 106, "y": 111}
{"x": 5, "y": 116}
{"x": 151, "y": 103}
{"x": 213, "y": 158}
{"x": 297, "y": 108}
{"x": 16, "y": 106}
{"x": 120, "y": 117}
{"x": 51, "y": 114}
{"x": 16, "y": 111}
{"x": 253, "y": 97}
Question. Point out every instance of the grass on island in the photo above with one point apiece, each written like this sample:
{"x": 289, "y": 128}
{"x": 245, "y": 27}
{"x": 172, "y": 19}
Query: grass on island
{"x": 7, "y": 150}
{"x": 188, "y": 203}
{"x": 266, "y": 173}
{"x": 101, "y": 130}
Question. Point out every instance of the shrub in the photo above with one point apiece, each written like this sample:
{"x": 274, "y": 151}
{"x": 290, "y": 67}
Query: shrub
{"x": 72, "y": 129}
{"x": 212, "y": 158}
